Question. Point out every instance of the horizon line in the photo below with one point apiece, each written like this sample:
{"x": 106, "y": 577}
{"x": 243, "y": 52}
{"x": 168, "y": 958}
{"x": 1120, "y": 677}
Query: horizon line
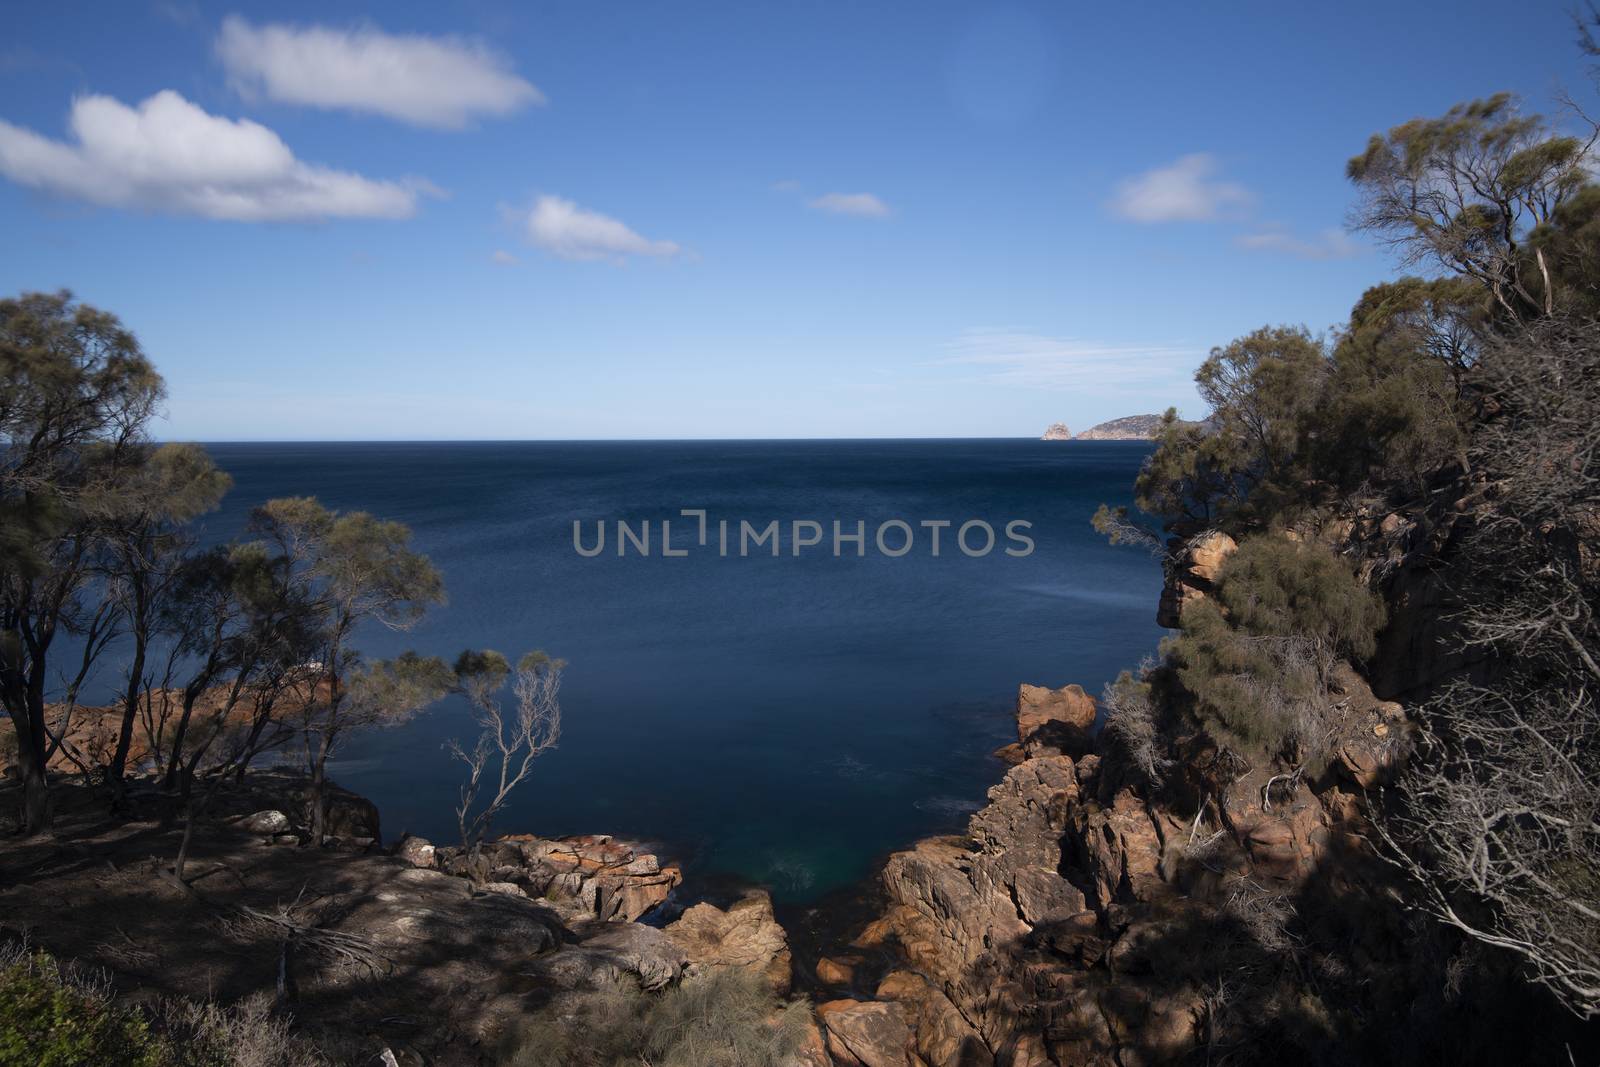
{"x": 603, "y": 440}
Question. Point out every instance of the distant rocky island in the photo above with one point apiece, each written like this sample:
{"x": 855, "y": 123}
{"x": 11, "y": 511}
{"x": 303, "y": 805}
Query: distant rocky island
{"x": 1130, "y": 428}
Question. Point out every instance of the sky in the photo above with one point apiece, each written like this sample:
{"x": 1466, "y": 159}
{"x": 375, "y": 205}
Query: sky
{"x": 497, "y": 220}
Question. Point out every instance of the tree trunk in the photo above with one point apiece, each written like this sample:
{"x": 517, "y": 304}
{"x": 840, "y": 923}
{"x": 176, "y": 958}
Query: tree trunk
{"x": 35, "y": 798}
{"x": 175, "y": 768}
{"x": 319, "y": 776}
{"x": 35, "y": 816}
{"x": 183, "y": 846}
{"x": 130, "y": 711}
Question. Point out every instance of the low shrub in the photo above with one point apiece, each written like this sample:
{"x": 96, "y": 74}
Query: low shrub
{"x": 53, "y": 1015}
{"x": 51, "y": 1018}
{"x": 724, "y": 1018}
{"x": 1256, "y": 657}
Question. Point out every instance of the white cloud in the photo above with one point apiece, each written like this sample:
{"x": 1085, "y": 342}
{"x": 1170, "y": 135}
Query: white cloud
{"x": 559, "y": 226}
{"x": 1182, "y": 191}
{"x": 864, "y": 205}
{"x": 1332, "y": 243}
{"x": 1035, "y": 361}
{"x": 169, "y": 155}
{"x": 431, "y": 81}
{"x": 503, "y": 258}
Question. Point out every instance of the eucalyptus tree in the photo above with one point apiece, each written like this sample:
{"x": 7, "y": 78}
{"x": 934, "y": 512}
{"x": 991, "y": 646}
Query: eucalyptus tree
{"x": 76, "y": 395}
{"x": 353, "y": 570}
{"x": 1465, "y": 193}
{"x": 147, "y": 548}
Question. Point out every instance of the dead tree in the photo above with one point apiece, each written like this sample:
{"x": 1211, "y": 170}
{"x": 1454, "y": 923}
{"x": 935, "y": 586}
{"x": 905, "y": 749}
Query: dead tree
{"x": 510, "y": 739}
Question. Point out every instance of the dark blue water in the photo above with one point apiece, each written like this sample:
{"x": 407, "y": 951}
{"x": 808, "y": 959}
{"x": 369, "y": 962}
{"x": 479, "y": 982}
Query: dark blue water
{"x": 784, "y": 721}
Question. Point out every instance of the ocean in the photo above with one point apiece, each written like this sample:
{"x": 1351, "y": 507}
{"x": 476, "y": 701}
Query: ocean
{"x": 785, "y": 721}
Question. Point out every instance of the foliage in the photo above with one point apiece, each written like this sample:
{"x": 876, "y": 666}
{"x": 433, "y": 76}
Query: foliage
{"x": 52, "y": 1015}
{"x": 351, "y": 569}
{"x": 49, "y": 1020}
{"x": 723, "y": 1018}
{"x": 1463, "y": 191}
{"x": 1131, "y": 735}
{"x": 76, "y": 393}
{"x": 1257, "y": 655}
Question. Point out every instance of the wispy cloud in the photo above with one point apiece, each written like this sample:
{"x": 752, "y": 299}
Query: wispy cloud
{"x": 862, "y": 205}
{"x": 1186, "y": 190}
{"x": 1331, "y": 243}
{"x": 501, "y": 257}
{"x": 441, "y": 82}
{"x": 170, "y": 155}
{"x": 1008, "y": 357}
{"x": 562, "y": 228}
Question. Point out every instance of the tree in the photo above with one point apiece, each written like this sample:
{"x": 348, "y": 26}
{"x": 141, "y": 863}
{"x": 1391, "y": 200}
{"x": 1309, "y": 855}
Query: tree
{"x": 1464, "y": 191}
{"x": 355, "y": 570}
{"x": 175, "y": 484}
{"x": 508, "y": 741}
{"x": 76, "y": 393}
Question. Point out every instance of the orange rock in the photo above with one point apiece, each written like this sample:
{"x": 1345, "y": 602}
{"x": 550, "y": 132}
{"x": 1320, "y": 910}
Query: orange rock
{"x": 837, "y": 970}
{"x": 1054, "y": 721}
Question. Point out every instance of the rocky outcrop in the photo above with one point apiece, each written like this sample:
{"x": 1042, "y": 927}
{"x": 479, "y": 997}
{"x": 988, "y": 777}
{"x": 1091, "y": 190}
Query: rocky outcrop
{"x": 745, "y": 936}
{"x": 1056, "y": 431}
{"x": 1192, "y": 574}
{"x": 1054, "y": 722}
{"x": 585, "y": 877}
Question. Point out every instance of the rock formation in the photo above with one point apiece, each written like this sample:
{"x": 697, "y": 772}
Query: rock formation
{"x": 1035, "y": 938}
{"x": 1056, "y": 431}
{"x": 745, "y": 936}
{"x": 1192, "y": 574}
{"x": 584, "y": 877}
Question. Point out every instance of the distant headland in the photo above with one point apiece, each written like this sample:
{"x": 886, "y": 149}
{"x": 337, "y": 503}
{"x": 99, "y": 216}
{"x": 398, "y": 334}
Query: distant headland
{"x": 1129, "y": 428}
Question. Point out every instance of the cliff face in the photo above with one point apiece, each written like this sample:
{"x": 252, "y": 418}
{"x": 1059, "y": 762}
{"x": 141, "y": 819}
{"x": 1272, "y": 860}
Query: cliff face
{"x": 1056, "y": 431}
{"x": 1043, "y": 935}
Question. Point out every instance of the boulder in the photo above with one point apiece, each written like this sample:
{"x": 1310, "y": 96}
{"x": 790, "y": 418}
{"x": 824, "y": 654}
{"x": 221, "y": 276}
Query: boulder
{"x": 612, "y": 950}
{"x": 866, "y": 1033}
{"x": 417, "y": 851}
{"x": 837, "y": 970}
{"x": 264, "y": 822}
{"x": 1054, "y": 721}
{"x": 745, "y": 936}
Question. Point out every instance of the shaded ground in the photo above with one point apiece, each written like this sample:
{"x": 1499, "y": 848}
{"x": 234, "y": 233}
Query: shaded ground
{"x": 367, "y": 951}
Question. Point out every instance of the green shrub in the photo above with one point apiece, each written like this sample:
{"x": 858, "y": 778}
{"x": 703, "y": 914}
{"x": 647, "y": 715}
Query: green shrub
{"x": 54, "y": 1016}
{"x": 49, "y": 1019}
{"x": 1256, "y": 657}
{"x": 1275, "y": 587}
{"x": 724, "y": 1018}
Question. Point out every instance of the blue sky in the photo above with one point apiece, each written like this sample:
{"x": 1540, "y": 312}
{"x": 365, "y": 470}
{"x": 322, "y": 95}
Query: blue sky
{"x": 498, "y": 220}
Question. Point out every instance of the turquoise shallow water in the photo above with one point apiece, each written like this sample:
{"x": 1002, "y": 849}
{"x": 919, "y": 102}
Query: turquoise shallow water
{"x": 783, "y": 721}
